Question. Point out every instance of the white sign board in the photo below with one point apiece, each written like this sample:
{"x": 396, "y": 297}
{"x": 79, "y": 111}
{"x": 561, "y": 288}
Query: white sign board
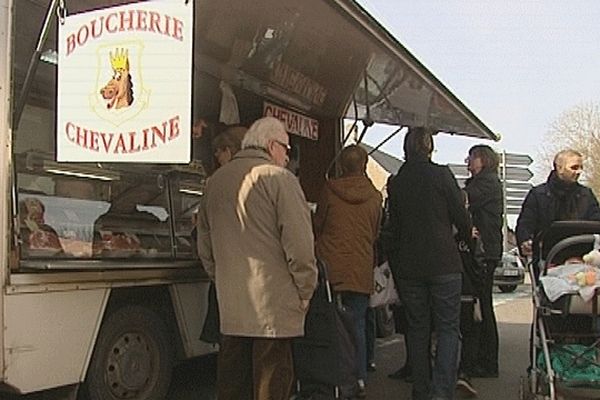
{"x": 295, "y": 124}
{"x": 125, "y": 84}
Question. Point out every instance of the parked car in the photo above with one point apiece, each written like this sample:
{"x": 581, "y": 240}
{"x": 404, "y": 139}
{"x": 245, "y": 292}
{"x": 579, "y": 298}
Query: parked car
{"x": 511, "y": 271}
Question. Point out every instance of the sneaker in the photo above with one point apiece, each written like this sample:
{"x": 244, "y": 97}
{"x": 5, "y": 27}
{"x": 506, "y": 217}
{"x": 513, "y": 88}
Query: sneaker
{"x": 464, "y": 387}
{"x": 361, "y": 390}
{"x": 371, "y": 367}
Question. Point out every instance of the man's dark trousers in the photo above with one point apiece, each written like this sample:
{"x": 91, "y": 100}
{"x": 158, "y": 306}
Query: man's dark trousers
{"x": 255, "y": 369}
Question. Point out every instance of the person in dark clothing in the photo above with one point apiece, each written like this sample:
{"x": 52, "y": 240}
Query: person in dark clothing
{"x": 386, "y": 244}
{"x": 561, "y": 198}
{"x": 425, "y": 203}
{"x": 472, "y": 284}
{"x": 484, "y": 191}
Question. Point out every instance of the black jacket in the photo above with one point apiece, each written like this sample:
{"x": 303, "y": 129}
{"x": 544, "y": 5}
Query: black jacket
{"x": 542, "y": 207}
{"x": 425, "y": 202}
{"x": 486, "y": 204}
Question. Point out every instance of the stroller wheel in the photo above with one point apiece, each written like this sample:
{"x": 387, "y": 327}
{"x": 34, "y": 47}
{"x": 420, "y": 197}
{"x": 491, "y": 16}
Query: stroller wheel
{"x": 525, "y": 389}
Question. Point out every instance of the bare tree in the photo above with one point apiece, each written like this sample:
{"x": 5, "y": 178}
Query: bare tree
{"x": 579, "y": 129}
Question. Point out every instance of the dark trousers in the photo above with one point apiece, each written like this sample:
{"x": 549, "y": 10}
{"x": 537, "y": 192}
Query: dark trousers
{"x": 469, "y": 330}
{"x": 370, "y": 334}
{"x": 434, "y": 298}
{"x": 487, "y": 357}
{"x": 255, "y": 369}
{"x": 357, "y": 304}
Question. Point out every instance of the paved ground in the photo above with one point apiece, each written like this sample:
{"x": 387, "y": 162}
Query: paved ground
{"x": 514, "y": 315}
{"x": 194, "y": 380}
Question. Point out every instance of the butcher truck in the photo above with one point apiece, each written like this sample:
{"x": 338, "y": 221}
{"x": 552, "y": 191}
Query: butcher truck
{"x": 102, "y": 292}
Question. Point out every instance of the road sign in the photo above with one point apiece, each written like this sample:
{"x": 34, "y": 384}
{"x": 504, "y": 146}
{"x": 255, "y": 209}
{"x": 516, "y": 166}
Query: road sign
{"x": 524, "y": 186}
{"x": 518, "y": 174}
{"x": 513, "y": 210}
{"x": 516, "y": 194}
{"x": 514, "y": 203}
{"x": 517, "y": 159}
{"x": 512, "y": 192}
{"x": 516, "y": 185}
{"x": 459, "y": 170}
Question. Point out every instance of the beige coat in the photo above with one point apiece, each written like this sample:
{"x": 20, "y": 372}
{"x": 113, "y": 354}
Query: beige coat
{"x": 346, "y": 225}
{"x": 255, "y": 239}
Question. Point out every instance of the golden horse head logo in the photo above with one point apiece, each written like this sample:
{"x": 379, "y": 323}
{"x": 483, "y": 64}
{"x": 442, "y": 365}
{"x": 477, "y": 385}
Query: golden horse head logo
{"x": 118, "y": 92}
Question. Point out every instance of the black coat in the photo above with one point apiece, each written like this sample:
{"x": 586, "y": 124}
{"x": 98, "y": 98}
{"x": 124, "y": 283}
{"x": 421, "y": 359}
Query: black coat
{"x": 425, "y": 203}
{"x": 486, "y": 206}
{"x": 541, "y": 208}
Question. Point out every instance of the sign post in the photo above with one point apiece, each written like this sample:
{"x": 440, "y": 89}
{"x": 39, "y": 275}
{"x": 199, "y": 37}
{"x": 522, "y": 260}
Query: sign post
{"x": 515, "y": 176}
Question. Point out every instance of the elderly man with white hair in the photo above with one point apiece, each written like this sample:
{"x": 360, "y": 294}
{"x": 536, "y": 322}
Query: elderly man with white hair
{"x": 255, "y": 240}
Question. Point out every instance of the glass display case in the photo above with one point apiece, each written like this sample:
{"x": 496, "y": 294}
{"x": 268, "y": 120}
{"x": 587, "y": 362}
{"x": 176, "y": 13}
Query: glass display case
{"x": 99, "y": 212}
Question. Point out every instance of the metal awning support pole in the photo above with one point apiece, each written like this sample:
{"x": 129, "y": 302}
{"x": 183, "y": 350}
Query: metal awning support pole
{"x": 345, "y": 139}
{"x": 33, "y": 63}
{"x": 367, "y": 121}
{"x": 386, "y": 139}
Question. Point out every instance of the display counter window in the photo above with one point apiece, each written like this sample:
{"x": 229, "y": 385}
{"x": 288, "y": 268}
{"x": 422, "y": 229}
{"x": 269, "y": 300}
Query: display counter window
{"x": 74, "y": 217}
{"x": 135, "y": 224}
{"x": 187, "y": 194}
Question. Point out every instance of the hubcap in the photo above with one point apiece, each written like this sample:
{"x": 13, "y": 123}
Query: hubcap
{"x": 130, "y": 365}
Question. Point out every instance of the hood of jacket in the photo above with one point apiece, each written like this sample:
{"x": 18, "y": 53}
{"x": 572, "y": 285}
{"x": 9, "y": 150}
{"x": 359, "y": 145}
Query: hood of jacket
{"x": 353, "y": 189}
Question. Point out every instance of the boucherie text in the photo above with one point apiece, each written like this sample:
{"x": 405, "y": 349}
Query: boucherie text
{"x": 125, "y": 21}
{"x": 123, "y": 142}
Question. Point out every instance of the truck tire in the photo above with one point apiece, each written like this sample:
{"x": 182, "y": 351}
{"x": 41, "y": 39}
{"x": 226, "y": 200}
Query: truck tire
{"x": 132, "y": 359}
{"x": 507, "y": 288}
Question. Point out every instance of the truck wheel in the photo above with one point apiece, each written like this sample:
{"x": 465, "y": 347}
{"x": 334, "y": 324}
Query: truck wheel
{"x": 132, "y": 359}
{"x": 507, "y": 288}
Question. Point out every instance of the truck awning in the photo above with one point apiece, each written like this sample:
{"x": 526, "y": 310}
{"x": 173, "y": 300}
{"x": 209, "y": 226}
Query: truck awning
{"x": 397, "y": 89}
{"x": 323, "y": 58}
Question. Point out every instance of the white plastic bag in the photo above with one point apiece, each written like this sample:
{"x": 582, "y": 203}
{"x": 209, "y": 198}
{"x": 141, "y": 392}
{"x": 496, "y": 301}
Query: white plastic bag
{"x": 385, "y": 289}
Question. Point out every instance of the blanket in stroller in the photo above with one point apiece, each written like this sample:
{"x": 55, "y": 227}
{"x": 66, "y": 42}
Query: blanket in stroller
{"x": 574, "y": 364}
{"x": 582, "y": 279}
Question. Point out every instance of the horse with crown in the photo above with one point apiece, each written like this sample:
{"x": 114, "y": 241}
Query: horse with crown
{"x": 119, "y": 90}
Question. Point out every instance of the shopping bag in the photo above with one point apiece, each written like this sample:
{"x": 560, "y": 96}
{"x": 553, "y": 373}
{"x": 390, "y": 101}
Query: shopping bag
{"x": 385, "y": 289}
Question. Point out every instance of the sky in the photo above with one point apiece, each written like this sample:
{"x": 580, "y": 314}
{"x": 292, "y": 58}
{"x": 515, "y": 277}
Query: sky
{"x": 517, "y": 64}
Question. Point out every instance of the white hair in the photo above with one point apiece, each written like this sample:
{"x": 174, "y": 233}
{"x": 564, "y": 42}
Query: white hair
{"x": 262, "y": 131}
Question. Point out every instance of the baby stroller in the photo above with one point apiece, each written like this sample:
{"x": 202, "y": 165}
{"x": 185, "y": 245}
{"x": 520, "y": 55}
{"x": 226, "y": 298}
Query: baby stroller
{"x": 565, "y": 342}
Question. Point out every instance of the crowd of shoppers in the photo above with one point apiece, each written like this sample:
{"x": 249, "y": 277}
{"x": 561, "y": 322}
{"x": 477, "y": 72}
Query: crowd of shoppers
{"x": 265, "y": 282}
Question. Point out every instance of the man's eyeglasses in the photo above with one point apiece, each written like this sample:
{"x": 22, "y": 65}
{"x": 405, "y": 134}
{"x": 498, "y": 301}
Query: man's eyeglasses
{"x": 286, "y": 146}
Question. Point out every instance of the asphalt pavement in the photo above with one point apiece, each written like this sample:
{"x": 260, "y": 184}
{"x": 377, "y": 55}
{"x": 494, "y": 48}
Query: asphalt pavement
{"x": 513, "y": 312}
{"x": 193, "y": 380}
